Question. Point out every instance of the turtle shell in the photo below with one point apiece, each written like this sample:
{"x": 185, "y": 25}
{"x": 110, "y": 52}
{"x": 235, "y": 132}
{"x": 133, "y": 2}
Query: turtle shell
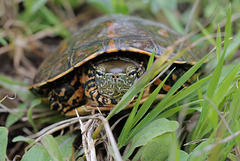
{"x": 109, "y": 34}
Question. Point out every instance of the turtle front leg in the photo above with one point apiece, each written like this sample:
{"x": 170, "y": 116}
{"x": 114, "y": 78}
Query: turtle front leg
{"x": 67, "y": 96}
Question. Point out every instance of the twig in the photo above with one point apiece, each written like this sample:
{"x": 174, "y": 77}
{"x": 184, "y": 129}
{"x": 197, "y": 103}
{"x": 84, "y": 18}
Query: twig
{"x": 210, "y": 147}
{"x": 86, "y": 140}
{"x": 50, "y": 132}
{"x": 222, "y": 118}
{"x": 111, "y": 138}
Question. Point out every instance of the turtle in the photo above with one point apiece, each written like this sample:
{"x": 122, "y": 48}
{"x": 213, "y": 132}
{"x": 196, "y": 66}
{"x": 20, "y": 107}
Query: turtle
{"x": 97, "y": 65}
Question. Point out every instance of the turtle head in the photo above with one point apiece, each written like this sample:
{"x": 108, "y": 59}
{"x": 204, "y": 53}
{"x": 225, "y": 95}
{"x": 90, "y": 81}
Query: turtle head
{"x": 114, "y": 77}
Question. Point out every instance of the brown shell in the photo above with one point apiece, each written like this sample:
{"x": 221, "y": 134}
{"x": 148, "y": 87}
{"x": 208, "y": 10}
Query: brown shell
{"x": 106, "y": 35}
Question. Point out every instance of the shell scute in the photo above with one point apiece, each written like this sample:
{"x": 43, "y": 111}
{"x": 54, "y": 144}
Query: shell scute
{"x": 106, "y": 35}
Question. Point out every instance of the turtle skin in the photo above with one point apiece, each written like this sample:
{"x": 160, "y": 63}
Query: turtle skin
{"x": 67, "y": 78}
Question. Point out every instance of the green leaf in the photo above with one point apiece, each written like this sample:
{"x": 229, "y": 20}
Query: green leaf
{"x": 37, "y": 153}
{"x": 51, "y": 146}
{"x": 3, "y": 41}
{"x": 183, "y": 155}
{"x": 158, "y": 148}
{"x": 165, "y": 104}
{"x": 15, "y": 116}
{"x": 65, "y": 143}
{"x": 23, "y": 138}
{"x": 3, "y": 142}
{"x": 138, "y": 155}
{"x": 152, "y": 130}
{"x": 34, "y": 103}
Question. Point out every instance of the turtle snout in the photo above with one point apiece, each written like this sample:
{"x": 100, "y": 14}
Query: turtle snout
{"x": 115, "y": 76}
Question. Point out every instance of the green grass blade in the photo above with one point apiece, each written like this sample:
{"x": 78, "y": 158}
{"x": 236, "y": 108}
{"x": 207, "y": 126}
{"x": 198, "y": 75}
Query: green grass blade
{"x": 172, "y": 20}
{"x": 165, "y": 104}
{"x": 234, "y": 108}
{"x": 34, "y": 103}
{"x": 219, "y": 44}
{"x": 147, "y": 104}
{"x": 206, "y": 33}
{"x": 132, "y": 121}
{"x": 174, "y": 110}
{"x": 3, "y": 142}
{"x": 187, "y": 75}
{"x": 200, "y": 97}
{"x": 151, "y": 60}
{"x": 209, "y": 114}
{"x": 233, "y": 47}
{"x": 52, "y": 147}
{"x": 54, "y": 20}
{"x": 220, "y": 94}
{"x": 228, "y": 29}
{"x": 157, "y": 67}
{"x": 128, "y": 125}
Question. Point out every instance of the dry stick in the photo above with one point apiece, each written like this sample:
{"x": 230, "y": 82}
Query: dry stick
{"x": 8, "y": 97}
{"x": 86, "y": 141}
{"x": 194, "y": 142}
{"x": 8, "y": 110}
{"x": 50, "y": 129}
{"x": 91, "y": 143}
{"x": 111, "y": 138}
{"x": 223, "y": 141}
{"x": 219, "y": 113}
{"x": 237, "y": 82}
{"x": 50, "y": 132}
{"x": 210, "y": 147}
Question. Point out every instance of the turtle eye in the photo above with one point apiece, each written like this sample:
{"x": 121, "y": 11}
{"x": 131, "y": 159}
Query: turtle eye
{"x": 99, "y": 74}
{"x": 132, "y": 74}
